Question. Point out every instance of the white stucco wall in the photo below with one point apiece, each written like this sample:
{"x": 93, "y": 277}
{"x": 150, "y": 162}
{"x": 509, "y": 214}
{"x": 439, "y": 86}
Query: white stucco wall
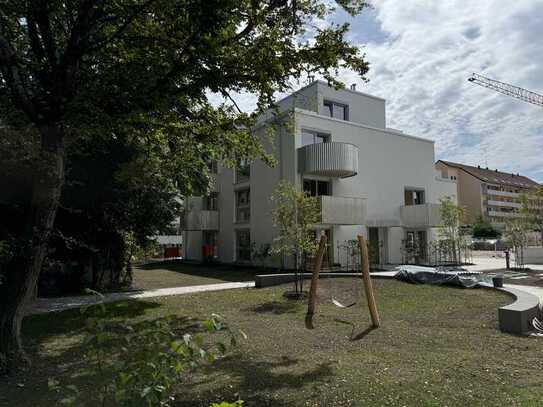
{"x": 363, "y": 108}
{"x": 389, "y": 162}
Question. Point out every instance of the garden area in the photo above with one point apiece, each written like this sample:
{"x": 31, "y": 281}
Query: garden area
{"x": 437, "y": 346}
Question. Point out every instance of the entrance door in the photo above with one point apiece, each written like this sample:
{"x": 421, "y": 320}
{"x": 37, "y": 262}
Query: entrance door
{"x": 374, "y": 245}
{"x": 416, "y": 246}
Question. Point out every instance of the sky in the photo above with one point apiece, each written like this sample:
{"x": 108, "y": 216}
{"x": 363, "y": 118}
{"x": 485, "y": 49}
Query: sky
{"x": 421, "y": 53}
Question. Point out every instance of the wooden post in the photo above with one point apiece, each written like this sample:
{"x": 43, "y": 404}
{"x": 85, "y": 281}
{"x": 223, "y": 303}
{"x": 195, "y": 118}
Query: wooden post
{"x": 365, "y": 264}
{"x": 312, "y": 304}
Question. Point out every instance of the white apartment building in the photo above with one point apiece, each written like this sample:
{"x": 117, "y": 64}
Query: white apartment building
{"x": 335, "y": 145}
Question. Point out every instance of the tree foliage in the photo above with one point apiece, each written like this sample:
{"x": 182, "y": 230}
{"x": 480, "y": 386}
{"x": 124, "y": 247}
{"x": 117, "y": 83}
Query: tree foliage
{"x": 294, "y": 215}
{"x": 452, "y": 216}
{"x": 144, "y": 361}
{"x": 516, "y": 234}
{"x": 482, "y": 229}
{"x": 532, "y": 209}
{"x": 76, "y": 72}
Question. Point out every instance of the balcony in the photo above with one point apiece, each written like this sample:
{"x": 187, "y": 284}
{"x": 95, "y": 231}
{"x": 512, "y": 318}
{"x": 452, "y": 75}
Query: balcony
{"x": 338, "y": 210}
{"x": 501, "y": 193}
{"x": 201, "y": 220}
{"x": 334, "y": 160}
{"x": 502, "y": 204}
{"x": 503, "y": 214}
{"x": 420, "y": 216}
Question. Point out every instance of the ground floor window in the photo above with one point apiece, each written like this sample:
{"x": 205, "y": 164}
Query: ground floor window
{"x": 243, "y": 245}
{"x": 210, "y": 244}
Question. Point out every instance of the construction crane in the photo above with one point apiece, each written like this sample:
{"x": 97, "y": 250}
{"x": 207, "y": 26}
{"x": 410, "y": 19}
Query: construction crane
{"x": 506, "y": 89}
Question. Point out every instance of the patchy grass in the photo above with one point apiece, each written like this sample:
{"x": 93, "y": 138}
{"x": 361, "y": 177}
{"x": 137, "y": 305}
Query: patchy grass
{"x": 182, "y": 274}
{"x": 438, "y": 346}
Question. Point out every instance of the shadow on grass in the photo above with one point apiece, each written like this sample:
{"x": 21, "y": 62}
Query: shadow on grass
{"x": 256, "y": 382}
{"x": 218, "y": 271}
{"x": 42, "y": 326}
{"x": 276, "y": 307}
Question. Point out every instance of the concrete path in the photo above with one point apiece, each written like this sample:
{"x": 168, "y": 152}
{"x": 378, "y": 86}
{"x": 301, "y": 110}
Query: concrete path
{"x": 44, "y": 305}
{"x": 493, "y": 263}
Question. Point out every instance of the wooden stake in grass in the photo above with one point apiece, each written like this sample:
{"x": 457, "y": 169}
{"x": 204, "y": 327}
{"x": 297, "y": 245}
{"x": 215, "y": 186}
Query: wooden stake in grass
{"x": 364, "y": 263}
{"x": 312, "y": 304}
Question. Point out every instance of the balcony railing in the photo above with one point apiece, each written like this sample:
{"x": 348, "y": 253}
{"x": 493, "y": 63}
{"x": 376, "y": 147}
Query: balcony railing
{"x": 336, "y": 160}
{"x": 501, "y": 193}
{"x": 504, "y": 204}
{"x": 503, "y": 214}
{"x": 420, "y": 216}
{"x": 201, "y": 220}
{"x": 338, "y": 210}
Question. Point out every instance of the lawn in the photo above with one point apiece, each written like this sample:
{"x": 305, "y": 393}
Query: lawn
{"x": 183, "y": 274}
{"x": 437, "y": 346}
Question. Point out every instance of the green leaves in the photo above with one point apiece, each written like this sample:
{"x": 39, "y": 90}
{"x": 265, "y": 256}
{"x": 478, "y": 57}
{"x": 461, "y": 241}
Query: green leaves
{"x": 294, "y": 214}
{"x": 158, "y": 357}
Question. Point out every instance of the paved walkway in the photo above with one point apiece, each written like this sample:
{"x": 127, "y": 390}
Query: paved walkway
{"x": 494, "y": 263}
{"x": 44, "y": 305}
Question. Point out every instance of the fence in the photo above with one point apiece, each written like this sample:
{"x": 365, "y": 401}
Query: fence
{"x": 436, "y": 253}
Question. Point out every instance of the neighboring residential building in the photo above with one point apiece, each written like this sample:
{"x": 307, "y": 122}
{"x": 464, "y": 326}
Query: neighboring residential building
{"x": 170, "y": 246}
{"x": 333, "y": 144}
{"x": 482, "y": 191}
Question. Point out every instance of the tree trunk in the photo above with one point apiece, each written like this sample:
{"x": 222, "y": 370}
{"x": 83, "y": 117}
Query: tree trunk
{"x": 21, "y": 279}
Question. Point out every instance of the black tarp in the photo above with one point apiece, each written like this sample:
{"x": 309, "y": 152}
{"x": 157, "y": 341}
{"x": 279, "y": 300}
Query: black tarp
{"x": 437, "y": 276}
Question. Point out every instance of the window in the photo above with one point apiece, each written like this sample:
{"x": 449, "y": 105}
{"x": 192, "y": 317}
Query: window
{"x": 243, "y": 171}
{"x": 210, "y": 248}
{"x": 316, "y": 188}
{"x": 243, "y": 245}
{"x": 211, "y": 202}
{"x": 414, "y": 197}
{"x": 243, "y": 206}
{"x": 313, "y": 137}
{"x": 336, "y": 110}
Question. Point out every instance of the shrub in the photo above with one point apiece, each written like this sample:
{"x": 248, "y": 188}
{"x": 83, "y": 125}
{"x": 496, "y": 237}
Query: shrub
{"x": 149, "y": 359}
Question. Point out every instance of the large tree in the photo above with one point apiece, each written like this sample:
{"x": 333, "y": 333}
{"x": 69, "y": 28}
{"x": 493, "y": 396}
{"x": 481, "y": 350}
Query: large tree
{"x": 73, "y": 69}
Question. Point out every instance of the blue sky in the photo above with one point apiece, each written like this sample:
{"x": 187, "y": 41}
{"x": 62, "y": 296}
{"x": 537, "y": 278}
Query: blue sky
{"x": 421, "y": 53}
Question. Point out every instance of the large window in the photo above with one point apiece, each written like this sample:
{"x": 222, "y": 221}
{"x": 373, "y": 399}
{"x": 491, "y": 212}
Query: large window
{"x": 316, "y": 188}
{"x": 210, "y": 238}
{"x": 211, "y": 202}
{"x": 243, "y": 206}
{"x": 243, "y": 171}
{"x": 243, "y": 245}
{"x": 336, "y": 110}
{"x": 313, "y": 137}
{"x": 414, "y": 197}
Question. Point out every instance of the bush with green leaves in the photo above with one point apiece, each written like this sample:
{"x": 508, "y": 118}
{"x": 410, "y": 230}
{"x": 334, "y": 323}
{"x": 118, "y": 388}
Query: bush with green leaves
{"x": 142, "y": 363}
{"x": 482, "y": 229}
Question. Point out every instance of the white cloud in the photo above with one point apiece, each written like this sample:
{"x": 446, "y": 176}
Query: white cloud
{"x": 421, "y": 68}
{"x": 421, "y": 54}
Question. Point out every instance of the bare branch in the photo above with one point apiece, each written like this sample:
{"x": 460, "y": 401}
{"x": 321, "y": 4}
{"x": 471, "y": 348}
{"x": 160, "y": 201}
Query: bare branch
{"x": 227, "y": 95}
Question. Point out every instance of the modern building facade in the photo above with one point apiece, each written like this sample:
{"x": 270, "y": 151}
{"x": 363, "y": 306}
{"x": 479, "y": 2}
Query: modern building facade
{"x": 332, "y": 144}
{"x": 493, "y": 194}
